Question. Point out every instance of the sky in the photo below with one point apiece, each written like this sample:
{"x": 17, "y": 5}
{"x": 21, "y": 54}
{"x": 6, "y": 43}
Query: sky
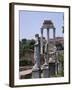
{"x": 30, "y": 23}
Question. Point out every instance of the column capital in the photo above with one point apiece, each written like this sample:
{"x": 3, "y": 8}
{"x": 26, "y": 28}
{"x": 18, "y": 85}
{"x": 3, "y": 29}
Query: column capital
{"x": 41, "y": 30}
{"x": 54, "y": 31}
{"x": 47, "y": 28}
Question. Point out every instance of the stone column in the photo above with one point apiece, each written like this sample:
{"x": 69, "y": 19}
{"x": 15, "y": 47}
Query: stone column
{"x": 45, "y": 66}
{"x": 41, "y": 40}
{"x": 47, "y": 44}
{"x": 57, "y": 53}
{"x": 55, "y": 58}
{"x": 54, "y": 35}
{"x": 47, "y": 35}
{"x": 56, "y": 68}
{"x": 56, "y": 64}
{"x": 36, "y": 68}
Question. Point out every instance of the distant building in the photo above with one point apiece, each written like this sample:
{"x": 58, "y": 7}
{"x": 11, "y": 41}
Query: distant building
{"x": 58, "y": 40}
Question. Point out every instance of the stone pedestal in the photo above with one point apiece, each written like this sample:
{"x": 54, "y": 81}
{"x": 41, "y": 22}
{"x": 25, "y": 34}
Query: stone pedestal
{"x": 36, "y": 73}
{"x": 45, "y": 71}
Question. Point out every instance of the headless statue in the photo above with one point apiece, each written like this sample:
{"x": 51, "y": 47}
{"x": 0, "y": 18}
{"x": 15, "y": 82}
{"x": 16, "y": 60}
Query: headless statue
{"x": 37, "y": 52}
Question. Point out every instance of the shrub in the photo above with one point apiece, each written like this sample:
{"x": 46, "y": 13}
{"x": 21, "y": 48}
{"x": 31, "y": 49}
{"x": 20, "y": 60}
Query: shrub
{"x": 25, "y": 63}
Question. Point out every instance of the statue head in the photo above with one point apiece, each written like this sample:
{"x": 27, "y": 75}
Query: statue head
{"x": 36, "y": 35}
{"x": 37, "y": 38}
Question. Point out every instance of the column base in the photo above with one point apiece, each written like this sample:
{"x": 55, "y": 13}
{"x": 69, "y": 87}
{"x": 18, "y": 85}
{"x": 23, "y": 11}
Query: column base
{"x": 45, "y": 71}
{"x": 36, "y": 73}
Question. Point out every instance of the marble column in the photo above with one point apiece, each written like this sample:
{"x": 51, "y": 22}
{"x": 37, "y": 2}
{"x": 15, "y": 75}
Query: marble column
{"x": 45, "y": 66}
{"x": 56, "y": 68}
{"x": 36, "y": 73}
{"x": 56, "y": 63}
{"x": 47, "y": 35}
{"x": 41, "y": 40}
{"x": 47, "y": 44}
{"x": 54, "y": 35}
